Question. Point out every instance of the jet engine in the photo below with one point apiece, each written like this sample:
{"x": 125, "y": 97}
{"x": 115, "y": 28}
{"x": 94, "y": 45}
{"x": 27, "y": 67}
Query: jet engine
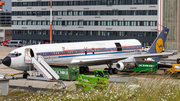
{"x": 126, "y": 65}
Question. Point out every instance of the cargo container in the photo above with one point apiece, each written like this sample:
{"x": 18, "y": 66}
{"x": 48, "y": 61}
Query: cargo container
{"x": 145, "y": 66}
{"x": 67, "y": 72}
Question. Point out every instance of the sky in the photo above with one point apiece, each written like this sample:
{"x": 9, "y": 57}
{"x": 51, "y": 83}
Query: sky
{"x": 7, "y": 5}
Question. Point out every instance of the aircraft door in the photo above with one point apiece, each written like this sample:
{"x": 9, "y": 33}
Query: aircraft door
{"x": 29, "y": 52}
{"x": 85, "y": 51}
{"x": 118, "y": 46}
{"x": 92, "y": 50}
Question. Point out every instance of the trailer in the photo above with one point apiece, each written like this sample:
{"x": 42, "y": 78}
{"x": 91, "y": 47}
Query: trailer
{"x": 144, "y": 66}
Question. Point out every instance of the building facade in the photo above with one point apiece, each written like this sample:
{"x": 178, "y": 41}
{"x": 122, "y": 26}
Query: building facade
{"x": 171, "y": 20}
{"x": 5, "y": 19}
{"x": 5, "y": 33}
{"x": 85, "y": 20}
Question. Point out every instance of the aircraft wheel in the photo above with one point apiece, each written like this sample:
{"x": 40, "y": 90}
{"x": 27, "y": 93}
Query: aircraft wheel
{"x": 87, "y": 69}
{"x": 25, "y": 75}
{"x": 110, "y": 71}
{"x": 115, "y": 71}
{"x": 81, "y": 69}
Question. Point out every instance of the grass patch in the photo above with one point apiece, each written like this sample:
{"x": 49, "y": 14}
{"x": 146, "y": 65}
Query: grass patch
{"x": 152, "y": 89}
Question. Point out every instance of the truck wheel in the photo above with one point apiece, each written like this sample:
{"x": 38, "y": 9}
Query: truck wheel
{"x": 105, "y": 68}
{"x": 115, "y": 71}
{"x": 110, "y": 71}
{"x": 79, "y": 88}
{"x": 87, "y": 69}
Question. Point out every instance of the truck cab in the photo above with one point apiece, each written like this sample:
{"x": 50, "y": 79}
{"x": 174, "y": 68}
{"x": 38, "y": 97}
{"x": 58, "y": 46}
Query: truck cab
{"x": 101, "y": 73}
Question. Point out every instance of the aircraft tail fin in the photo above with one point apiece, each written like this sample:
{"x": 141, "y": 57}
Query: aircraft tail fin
{"x": 159, "y": 42}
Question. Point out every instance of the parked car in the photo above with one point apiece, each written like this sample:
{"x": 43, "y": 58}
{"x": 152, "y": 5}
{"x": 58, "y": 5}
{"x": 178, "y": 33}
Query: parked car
{"x": 16, "y": 43}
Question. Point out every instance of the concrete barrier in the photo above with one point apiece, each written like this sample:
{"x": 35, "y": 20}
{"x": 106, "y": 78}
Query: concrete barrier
{"x": 4, "y": 86}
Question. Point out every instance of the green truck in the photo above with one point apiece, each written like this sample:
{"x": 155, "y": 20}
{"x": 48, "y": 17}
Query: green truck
{"x": 101, "y": 80}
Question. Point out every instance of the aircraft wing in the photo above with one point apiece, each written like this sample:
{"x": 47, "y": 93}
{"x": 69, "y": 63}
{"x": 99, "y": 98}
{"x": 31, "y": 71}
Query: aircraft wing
{"x": 96, "y": 60}
{"x": 160, "y": 55}
{"x": 105, "y": 59}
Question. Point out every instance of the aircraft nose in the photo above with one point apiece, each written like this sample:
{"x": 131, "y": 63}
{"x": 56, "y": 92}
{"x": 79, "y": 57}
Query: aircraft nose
{"x": 7, "y": 61}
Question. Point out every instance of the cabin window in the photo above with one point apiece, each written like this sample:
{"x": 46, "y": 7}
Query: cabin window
{"x": 118, "y": 46}
{"x": 99, "y": 74}
{"x": 14, "y": 54}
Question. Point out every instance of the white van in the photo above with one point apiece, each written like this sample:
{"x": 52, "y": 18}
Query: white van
{"x": 16, "y": 43}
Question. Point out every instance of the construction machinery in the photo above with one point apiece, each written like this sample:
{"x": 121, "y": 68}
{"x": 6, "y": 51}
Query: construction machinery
{"x": 100, "y": 81}
{"x": 175, "y": 70}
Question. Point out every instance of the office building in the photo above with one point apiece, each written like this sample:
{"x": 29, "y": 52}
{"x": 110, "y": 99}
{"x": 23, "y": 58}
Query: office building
{"x": 85, "y": 20}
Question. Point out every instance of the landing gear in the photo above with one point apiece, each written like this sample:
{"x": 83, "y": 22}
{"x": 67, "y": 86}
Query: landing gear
{"x": 110, "y": 69}
{"x": 84, "y": 69}
{"x": 25, "y": 74}
{"x": 81, "y": 69}
{"x": 115, "y": 70}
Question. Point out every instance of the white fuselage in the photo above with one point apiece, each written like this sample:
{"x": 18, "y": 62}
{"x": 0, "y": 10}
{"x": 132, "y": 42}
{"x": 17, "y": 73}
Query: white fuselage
{"x": 78, "y": 53}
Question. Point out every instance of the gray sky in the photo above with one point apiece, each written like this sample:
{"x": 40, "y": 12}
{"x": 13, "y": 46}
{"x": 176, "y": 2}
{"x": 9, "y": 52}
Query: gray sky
{"x": 7, "y": 5}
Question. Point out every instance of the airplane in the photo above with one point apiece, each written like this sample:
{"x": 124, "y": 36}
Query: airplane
{"x": 124, "y": 52}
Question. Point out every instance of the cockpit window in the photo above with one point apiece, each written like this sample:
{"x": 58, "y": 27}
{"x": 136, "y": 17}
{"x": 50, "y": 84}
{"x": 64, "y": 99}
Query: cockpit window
{"x": 14, "y": 54}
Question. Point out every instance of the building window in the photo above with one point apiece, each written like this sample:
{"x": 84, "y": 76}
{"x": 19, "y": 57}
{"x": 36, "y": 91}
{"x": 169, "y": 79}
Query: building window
{"x": 86, "y": 13}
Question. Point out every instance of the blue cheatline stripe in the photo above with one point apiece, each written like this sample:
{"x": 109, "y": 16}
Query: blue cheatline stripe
{"x": 39, "y": 71}
{"x": 94, "y": 54}
{"x": 89, "y": 54}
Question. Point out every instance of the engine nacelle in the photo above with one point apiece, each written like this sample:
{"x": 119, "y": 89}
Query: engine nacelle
{"x": 126, "y": 65}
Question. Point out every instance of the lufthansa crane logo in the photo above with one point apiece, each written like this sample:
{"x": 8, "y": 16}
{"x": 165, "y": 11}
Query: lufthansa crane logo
{"x": 159, "y": 45}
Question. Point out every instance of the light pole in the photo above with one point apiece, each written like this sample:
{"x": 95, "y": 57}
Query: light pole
{"x": 51, "y": 21}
